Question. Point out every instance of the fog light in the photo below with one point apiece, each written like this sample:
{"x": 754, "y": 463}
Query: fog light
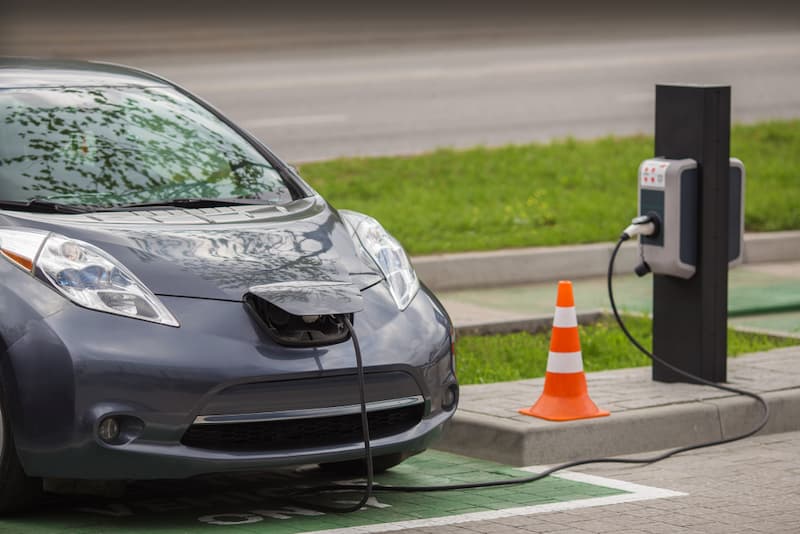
{"x": 108, "y": 430}
{"x": 450, "y": 397}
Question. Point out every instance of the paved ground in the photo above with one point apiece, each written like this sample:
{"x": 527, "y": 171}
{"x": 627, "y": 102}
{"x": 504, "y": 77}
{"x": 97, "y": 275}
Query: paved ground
{"x": 621, "y": 390}
{"x": 754, "y": 291}
{"x": 258, "y": 503}
{"x": 645, "y": 415}
{"x": 749, "y": 486}
{"x": 317, "y": 83}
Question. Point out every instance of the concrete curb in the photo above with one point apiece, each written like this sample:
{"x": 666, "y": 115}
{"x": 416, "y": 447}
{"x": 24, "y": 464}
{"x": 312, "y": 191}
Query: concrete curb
{"x": 540, "y": 264}
{"x": 629, "y": 432}
{"x": 762, "y": 331}
{"x": 534, "y": 324}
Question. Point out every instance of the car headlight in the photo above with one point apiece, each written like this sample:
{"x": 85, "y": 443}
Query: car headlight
{"x": 386, "y": 252}
{"x": 84, "y": 274}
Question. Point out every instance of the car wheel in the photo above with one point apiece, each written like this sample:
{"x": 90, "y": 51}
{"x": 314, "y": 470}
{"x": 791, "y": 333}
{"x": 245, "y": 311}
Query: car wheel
{"x": 17, "y": 490}
{"x": 359, "y": 467}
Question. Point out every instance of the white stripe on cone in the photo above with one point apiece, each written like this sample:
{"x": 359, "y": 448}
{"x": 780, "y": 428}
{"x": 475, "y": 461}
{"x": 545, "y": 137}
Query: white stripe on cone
{"x": 565, "y": 317}
{"x": 564, "y": 362}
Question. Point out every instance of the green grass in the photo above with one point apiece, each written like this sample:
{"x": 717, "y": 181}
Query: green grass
{"x": 485, "y": 359}
{"x": 563, "y": 192}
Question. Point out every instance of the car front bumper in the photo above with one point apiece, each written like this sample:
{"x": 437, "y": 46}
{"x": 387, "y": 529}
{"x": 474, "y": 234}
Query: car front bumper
{"x": 74, "y": 367}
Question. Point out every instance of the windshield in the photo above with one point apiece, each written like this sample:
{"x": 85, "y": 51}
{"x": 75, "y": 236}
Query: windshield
{"x": 110, "y": 146}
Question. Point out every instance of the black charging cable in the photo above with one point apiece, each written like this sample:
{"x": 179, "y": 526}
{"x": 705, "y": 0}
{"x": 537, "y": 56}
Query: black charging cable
{"x": 362, "y": 390}
{"x": 371, "y": 487}
{"x": 755, "y": 396}
{"x": 368, "y": 487}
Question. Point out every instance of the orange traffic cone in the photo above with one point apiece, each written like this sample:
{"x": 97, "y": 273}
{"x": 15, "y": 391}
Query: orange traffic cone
{"x": 565, "y": 396}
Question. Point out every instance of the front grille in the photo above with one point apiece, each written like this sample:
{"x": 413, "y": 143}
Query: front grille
{"x": 301, "y": 433}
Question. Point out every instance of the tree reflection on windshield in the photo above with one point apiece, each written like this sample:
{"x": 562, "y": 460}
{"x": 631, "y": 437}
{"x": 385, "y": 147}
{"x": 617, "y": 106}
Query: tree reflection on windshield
{"x": 112, "y": 145}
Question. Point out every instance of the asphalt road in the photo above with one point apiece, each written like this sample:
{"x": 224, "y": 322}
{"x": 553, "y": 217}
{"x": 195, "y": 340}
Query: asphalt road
{"x": 325, "y": 87}
{"x": 407, "y": 101}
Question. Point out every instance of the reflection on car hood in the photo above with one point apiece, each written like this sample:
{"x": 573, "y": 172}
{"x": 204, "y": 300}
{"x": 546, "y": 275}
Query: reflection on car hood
{"x": 217, "y": 253}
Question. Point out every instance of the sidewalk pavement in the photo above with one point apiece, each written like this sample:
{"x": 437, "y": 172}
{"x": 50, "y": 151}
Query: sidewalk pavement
{"x": 645, "y": 415}
{"x": 761, "y": 296}
{"x": 496, "y": 268}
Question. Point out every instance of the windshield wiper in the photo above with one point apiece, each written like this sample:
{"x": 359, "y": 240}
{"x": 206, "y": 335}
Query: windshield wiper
{"x": 187, "y": 203}
{"x": 238, "y": 164}
{"x": 44, "y": 206}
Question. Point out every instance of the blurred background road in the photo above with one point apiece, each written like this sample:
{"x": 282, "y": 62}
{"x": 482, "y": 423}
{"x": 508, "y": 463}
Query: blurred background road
{"x": 319, "y": 80}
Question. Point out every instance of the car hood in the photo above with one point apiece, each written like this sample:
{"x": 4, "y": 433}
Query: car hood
{"x": 218, "y": 253}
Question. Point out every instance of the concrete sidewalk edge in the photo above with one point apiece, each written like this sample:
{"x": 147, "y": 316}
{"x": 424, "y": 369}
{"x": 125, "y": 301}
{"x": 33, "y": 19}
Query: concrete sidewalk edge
{"x": 539, "y": 264}
{"x": 630, "y": 432}
{"x": 532, "y": 324}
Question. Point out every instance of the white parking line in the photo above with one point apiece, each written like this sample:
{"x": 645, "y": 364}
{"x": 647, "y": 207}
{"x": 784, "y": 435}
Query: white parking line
{"x": 637, "y": 492}
{"x": 300, "y": 120}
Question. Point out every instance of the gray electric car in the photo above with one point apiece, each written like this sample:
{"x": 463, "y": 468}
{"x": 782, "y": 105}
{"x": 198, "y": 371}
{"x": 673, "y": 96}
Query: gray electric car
{"x": 174, "y": 299}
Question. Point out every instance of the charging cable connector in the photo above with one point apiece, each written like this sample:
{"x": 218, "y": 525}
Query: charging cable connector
{"x": 642, "y": 225}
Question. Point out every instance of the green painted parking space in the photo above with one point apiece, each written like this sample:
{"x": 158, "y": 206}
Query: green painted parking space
{"x": 779, "y": 323}
{"x": 257, "y": 503}
{"x": 753, "y": 290}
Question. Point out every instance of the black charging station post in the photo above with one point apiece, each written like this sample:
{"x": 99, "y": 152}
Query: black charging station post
{"x": 690, "y": 317}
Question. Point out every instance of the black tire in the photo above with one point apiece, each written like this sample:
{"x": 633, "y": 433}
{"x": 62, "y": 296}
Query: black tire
{"x": 18, "y": 492}
{"x": 359, "y": 467}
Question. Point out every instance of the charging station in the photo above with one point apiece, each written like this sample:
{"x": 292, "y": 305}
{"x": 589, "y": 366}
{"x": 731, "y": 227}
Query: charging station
{"x": 668, "y": 193}
{"x": 690, "y": 264}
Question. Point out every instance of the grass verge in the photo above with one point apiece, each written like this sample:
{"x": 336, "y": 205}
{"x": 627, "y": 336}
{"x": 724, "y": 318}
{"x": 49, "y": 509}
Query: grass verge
{"x": 564, "y": 192}
{"x": 498, "y": 358}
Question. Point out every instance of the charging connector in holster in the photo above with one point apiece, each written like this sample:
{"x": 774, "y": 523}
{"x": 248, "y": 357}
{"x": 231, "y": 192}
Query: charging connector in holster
{"x": 315, "y": 313}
